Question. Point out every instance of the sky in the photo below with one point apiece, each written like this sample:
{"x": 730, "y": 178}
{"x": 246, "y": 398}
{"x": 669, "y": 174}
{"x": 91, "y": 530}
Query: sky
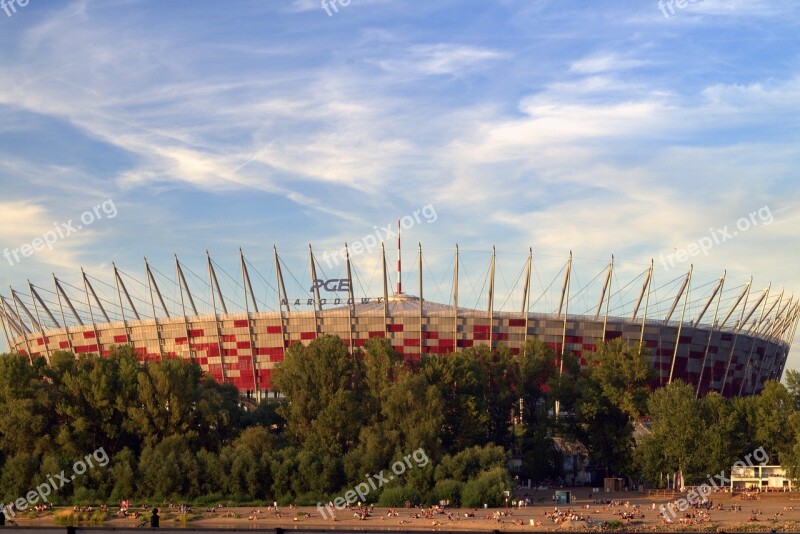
{"x": 632, "y": 128}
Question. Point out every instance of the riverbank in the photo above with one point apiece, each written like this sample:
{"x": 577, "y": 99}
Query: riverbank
{"x": 626, "y": 511}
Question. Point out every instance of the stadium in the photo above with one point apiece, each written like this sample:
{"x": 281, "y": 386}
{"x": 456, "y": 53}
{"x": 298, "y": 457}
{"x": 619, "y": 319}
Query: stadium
{"x": 716, "y": 335}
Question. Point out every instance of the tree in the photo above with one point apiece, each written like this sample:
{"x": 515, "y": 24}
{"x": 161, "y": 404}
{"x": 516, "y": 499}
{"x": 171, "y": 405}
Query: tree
{"x": 93, "y": 397}
{"x": 535, "y": 367}
{"x": 676, "y": 441}
{"x": 604, "y": 428}
{"x": 600, "y": 403}
{"x": 459, "y": 377}
{"x": 538, "y": 383}
{"x": 173, "y": 398}
{"x": 321, "y": 382}
{"x": 726, "y": 433}
{"x": 498, "y": 394}
{"x": 27, "y": 400}
{"x": 124, "y": 475}
{"x": 382, "y": 367}
{"x": 169, "y": 469}
{"x": 487, "y": 488}
{"x": 792, "y": 379}
{"x": 773, "y": 408}
{"x": 166, "y": 397}
{"x": 622, "y": 373}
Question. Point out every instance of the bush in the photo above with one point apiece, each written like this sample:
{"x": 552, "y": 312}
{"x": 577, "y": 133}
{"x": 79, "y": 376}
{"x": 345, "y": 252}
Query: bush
{"x": 487, "y": 488}
{"x": 187, "y": 518}
{"x": 448, "y": 489}
{"x": 397, "y": 497}
{"x": 72, "y": 519}
{"x": 86, "y": 497}
{"x": 209, "y": 500}
{"x": 98, "y": 517}
{"x": 310, "y": 499}
{"x": 470, "y": 463}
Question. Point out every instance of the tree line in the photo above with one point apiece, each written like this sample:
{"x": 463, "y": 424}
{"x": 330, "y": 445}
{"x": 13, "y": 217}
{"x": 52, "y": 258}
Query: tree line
{"x": 173, "y": 433}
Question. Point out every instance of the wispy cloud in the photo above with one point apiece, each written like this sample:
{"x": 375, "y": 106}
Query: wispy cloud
{"x": 597, "y": 128}
{"x": 439, "y": 59}
{"x": 605, "y": 62}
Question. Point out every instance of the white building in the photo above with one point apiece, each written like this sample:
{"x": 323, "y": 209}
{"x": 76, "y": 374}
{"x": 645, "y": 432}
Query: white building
{"x": 761, "y": 478}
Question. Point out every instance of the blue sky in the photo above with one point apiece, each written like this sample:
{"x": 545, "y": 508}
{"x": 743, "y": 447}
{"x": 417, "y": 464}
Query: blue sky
{"x": 596, "y": 127}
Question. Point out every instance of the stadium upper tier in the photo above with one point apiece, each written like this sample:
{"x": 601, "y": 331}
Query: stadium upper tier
{"x": 717, "y": 335}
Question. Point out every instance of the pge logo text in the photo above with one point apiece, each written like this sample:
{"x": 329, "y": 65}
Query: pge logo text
{"x": 333, "y": 285}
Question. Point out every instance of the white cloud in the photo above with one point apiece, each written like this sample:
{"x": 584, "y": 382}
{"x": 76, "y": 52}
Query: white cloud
{"x": 605, "y": 62}
{"x": 513, "y": 141}
{"x": 439, "y": 59}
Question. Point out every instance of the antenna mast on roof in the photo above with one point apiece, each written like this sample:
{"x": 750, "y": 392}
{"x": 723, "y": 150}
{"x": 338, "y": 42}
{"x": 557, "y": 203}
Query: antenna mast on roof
{"x": 399, "y": 268}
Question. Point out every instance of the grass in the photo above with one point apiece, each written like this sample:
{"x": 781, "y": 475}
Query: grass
{"x": 69, "y": 518}
{"x": 187, "y": 518}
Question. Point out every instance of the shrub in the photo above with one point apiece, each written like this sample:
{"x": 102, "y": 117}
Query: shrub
{"x": 487, "y": 488}
{"x": 310, "y": 498}
{"x": 209, "y": 500}
{"x": 471, "y": 462}
{"x": 448, "y": 489}
{"x": 86, "y": 497}
{"x": 72, "y": 519}
{"x": 397, "y": 497}
{"x": 98, "y": 517}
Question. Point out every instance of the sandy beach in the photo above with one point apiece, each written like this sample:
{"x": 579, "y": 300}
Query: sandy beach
{"x": 763, "y": 512}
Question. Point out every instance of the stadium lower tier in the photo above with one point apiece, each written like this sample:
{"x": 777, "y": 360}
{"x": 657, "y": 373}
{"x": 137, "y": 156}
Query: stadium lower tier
{"x": 244, "y": 350}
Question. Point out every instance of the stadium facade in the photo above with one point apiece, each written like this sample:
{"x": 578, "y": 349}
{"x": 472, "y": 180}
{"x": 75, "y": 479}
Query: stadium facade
{"x": 731, "y": 344}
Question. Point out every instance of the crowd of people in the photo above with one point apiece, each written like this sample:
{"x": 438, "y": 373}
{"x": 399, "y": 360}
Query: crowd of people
{"x": 559, "y": 516}
{"x": 595, "y": 512}
{"x": 690, "y": 517}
